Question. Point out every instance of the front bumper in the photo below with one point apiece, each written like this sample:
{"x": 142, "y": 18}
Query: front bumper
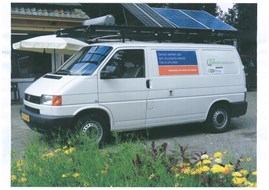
{"x": 46, "y": 124}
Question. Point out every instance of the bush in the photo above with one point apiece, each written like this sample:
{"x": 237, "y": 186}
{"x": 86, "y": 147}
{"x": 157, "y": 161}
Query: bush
{"x": 80, "y": 162}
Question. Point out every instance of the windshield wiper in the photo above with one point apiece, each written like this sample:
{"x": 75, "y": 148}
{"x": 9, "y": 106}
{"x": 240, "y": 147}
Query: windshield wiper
{"x": 63, "y": 72}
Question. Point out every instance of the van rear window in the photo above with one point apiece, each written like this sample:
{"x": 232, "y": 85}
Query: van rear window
{"x": 177, "y": 63}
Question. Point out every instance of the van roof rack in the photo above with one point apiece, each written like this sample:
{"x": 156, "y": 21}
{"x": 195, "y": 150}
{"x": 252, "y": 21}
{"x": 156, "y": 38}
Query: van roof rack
{"x": 94, "y": 33}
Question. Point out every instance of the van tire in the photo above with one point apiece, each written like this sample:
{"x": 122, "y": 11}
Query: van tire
{"x": 219, "y": 118}
{"x": 88, "y": 122}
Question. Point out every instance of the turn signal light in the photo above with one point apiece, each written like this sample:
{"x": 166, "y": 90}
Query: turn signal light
{"x": 56, "y": 100}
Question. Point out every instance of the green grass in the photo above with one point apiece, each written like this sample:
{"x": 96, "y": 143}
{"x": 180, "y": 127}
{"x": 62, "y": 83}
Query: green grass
{"x": 80, "y": 162}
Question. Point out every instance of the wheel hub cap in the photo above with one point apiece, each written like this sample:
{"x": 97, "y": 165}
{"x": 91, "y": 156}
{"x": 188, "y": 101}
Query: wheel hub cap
{"x": 93, "y": 129}
{"x": 220, "y": 119}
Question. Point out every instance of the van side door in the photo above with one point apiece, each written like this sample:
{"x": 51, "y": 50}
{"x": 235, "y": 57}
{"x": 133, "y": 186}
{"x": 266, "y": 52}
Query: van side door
{"x": 175, "y": 83}
{"x": 122, "y": 88}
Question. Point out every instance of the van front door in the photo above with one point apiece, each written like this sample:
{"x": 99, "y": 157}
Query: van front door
{"x": 122, "y": 88}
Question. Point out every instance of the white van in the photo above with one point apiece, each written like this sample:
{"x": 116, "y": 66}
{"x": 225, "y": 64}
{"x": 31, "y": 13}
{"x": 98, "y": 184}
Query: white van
{"x": 136, "y": 85}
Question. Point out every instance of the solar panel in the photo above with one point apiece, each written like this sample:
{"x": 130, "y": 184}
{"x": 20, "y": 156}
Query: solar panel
{"x": 208, "y": 20}
{"x": 138, "y": 13}
{"x": 151, "y": 13}
{"x": 176, "y": 18}
{"x": 179, "y": 19}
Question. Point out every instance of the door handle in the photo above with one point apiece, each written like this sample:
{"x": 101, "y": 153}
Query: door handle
{"x": 148, "y": 83}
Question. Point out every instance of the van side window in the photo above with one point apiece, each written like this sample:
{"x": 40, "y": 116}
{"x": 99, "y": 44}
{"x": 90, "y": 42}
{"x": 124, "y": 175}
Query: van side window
{"x": 126, "y": 64}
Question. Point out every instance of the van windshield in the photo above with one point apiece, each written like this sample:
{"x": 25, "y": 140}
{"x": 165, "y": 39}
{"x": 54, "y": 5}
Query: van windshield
{"x": 85, "y": 61}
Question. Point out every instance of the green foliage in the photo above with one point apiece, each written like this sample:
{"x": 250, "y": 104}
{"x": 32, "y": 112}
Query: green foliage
{"x": 79, "y": 162}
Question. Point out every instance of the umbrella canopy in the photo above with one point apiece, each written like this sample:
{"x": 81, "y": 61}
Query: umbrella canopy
{"x": 50, "y": 44}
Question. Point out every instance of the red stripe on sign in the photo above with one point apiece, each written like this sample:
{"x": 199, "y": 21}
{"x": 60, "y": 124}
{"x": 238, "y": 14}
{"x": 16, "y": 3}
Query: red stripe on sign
{"x": 178, "y": 70}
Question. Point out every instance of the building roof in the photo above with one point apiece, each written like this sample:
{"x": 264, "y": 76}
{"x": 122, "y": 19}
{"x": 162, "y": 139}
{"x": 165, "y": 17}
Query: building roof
{"x": 49, "y": 10}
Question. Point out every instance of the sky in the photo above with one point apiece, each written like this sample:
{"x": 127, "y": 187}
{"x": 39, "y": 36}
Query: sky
{"x": 225, "y": 6}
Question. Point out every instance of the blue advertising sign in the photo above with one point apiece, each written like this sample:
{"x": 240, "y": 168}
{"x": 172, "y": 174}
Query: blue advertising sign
{"x": 177, "y": 63}
{"x": 176, "y": 58}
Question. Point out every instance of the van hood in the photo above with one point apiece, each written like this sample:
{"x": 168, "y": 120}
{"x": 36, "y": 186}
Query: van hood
{"x": 49, "y": 84}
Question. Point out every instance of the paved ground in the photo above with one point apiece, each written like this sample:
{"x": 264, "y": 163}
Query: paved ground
{"x": 240, "y": 140}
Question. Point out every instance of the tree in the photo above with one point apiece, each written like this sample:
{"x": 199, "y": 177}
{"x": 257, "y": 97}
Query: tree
{"x": 244, "y": 18}
{"x": 230, "y": 17}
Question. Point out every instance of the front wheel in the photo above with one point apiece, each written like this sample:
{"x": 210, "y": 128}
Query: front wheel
{"x": 219, "y": 119}
{"x": 93, "y": 126}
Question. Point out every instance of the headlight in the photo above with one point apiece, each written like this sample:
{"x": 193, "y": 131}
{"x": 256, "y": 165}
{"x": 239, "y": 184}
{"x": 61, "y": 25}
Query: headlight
{"x": 46, "y": 99}
{"x": 51, "y": 100}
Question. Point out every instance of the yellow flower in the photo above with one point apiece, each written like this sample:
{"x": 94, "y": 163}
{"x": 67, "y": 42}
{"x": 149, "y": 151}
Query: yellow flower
{"x": 65, "y": 175}
{"x": 49, "y": 155}
{"x": 13, "y": 177}
{"x": 218, "y": 160}
{"x": 151, "y": 176}
{"x": 239, "y": 180}
{"x": 199, "y": 163}
{"x": 228, "y": 168}
{"x": 24, "y": 174}
{"x": 197, "y": 171}
{"x": 205, "y": 168}
{"x": 204, "y": 157}
{"x": 104, "y": 171}
{"x": 248, "y": 159}
{"x": 236, "y": 174}
{"x": 70, "y": 150}
{"x": 57, "y": 150}
{"x": 177, "y": 185}
{"x": 177, "y": 175}
{"x": 75, "y": 175}
{"x": 22, "y": 180}
{"x": 67, "y": 152}
{"x": 86, "y": 184}
{"x": 206, "y": 162}
{"x": 20, "y": 163}
{"x": 217, "y": 169}
{"x": 254, "y": 173}
{"x": 249, "y": 184}
{"x": 244, "y": 172}
{"x": 65, "y": 147}
{"x": 186, "y": 170}
{"x": 217, "y": 155}
{"x": 182, "y": 164}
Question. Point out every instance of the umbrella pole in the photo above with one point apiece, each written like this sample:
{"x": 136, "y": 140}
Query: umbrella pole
{"x": 54, "y": 60}
{"x": 53, "y": 63}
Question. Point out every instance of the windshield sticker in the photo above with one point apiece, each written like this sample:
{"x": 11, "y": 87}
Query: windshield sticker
{"x": 177, "y": 62}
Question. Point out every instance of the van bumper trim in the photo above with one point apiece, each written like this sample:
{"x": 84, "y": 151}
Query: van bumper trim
{"x": 238, "y": 108}
{"x": 46, "y": 124}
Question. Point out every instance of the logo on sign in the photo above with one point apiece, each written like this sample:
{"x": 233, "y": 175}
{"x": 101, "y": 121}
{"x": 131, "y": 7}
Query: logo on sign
{"x": 211, "y": 62}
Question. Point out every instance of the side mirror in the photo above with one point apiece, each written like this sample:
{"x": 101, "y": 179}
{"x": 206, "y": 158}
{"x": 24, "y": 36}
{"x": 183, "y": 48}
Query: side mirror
{"x": 105, "y": 75}
{"x": 109, "y": 72}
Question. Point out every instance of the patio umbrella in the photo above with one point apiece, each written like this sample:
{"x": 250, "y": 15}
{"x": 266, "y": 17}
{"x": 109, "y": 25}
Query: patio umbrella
{"x": 50, "y": 44}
